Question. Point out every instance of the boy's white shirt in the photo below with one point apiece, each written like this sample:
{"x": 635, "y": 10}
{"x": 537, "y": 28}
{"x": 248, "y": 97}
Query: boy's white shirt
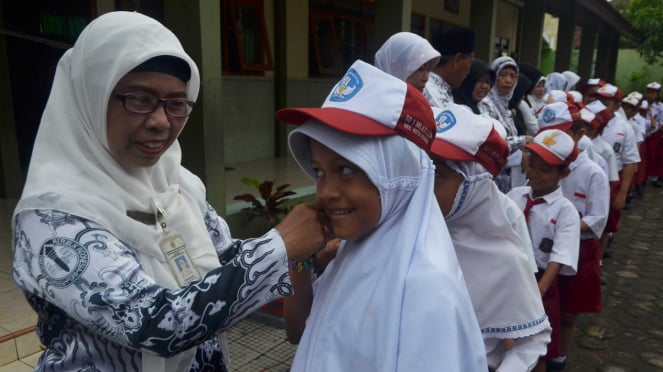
{"x": 555, "y": 219}
{"x": 607, "y": 153}
{"x": 588, "y": 189}
{"x": 619, "y": 135}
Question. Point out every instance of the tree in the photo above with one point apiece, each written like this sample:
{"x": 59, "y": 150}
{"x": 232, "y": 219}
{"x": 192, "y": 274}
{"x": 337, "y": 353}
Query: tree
{"x": 646, "y": 16}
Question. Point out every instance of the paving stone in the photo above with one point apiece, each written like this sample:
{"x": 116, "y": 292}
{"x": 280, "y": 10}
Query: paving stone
{"x": 627, "y": 274}
{"x": 654, "y": 359}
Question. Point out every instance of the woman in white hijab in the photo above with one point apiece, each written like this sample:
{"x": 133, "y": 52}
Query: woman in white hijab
{"x": 394, "y": 298}
{"x": 496, "y": 106}
{"x": 408, "y": 57}
{"x": 491, "y": 240}
{"x": 126, "y": 265}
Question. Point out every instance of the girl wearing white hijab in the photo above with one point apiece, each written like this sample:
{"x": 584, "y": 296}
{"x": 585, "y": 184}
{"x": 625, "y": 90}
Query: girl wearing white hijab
{"x": 393, "y": 298}
{"x": 126, "y": 265}
{"x": 491, "y": 239}
{"x": 571, "y": 79}
{"x": 556, "y": 81}
{"x": 408, "y": 57}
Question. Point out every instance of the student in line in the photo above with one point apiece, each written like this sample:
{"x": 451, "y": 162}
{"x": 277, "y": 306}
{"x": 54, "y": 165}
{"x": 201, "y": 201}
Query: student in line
{"x": 393, "y": 298}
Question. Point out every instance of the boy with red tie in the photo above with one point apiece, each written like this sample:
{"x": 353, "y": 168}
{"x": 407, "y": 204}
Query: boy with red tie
{"x": 552, "y": 220}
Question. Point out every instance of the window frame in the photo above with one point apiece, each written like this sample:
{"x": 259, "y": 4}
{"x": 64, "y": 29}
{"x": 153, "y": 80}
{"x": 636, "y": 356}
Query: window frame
{"x": 230, "y": 19}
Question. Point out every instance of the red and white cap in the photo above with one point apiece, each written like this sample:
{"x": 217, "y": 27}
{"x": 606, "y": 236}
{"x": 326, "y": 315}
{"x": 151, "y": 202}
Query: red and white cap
{"x": 587, "y": 116}
{"x": 610, "y": 91}
{"x": 603, "y": 115}
{"x": 654, "y": 86}
{"x": 462, "y": 135}
{"x": 554, "y": 146}
{"x": 370, "y": 102}
{"x": 576, "y": 97}
{"x": 556, "y": 95}
{"x": 559, "y": 115}
{"x": 633, "y": 99}
{"x": 595, "y": 82}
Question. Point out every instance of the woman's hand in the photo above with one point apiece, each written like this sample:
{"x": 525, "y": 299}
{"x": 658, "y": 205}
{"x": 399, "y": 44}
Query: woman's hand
{"x": 305, "y": 231}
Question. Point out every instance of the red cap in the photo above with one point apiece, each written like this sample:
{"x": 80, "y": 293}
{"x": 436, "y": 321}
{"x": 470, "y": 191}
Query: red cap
{"x": 370, "y": 102}
{"x": 464, "y": 136}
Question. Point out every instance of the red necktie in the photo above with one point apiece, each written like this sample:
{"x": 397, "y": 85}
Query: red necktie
{"x": 530, "y": 204}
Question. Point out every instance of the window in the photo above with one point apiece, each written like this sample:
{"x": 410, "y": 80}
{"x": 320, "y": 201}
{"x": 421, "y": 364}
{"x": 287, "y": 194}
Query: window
{"x": 418, "y": 24}
{"x": 244, "y": 37}
{"x": 338, "y": 34}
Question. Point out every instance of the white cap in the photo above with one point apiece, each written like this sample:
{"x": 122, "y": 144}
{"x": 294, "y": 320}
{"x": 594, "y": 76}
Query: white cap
{"x": 560, "y": 115}
{"x": 654, "y": 85}
{"x": 633, "y": 99}
{"x": 554, "y": 146}
{"x": 575, "y": 95}
{"x": 586, "y": 115}
{"x": 462, "y": 135}
{"x": 555, "y": 95}
{"x": 610, "y": 91}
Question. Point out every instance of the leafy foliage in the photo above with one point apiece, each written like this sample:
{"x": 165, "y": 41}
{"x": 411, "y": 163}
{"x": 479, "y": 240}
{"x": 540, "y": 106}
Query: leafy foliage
{"x": 271, "y": 203}
{"x": 647, "y": 18}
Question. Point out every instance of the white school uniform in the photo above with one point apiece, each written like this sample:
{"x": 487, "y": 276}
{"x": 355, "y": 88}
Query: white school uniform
{"x": 607, "y": 153}
{"x": 554, "y": 222}
{"x": 585, "y": 145}
{"x": 619, "y": 135}
{"x": 588, "y": 189}
{"x": 636, "y": 127}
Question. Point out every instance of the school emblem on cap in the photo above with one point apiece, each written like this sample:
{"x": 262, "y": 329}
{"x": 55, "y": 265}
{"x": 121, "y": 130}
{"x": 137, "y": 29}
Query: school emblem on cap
{"x": 548, "y": 115}
{"x": 349, "y": 85}
{"x": 444, "y": 121}
{"x": 549, "y": 140}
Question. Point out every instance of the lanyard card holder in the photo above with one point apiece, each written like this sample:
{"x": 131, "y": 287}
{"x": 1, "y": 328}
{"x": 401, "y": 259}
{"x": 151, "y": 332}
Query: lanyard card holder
{"x": 175, "y": 252}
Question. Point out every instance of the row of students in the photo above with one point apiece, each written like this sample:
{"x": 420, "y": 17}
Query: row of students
{"x": 592, "y": 176}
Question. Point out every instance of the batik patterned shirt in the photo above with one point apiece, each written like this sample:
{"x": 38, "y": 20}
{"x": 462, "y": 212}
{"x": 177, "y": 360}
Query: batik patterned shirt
{"x": 437, "y": 91}
{"x": 99, "y": 311}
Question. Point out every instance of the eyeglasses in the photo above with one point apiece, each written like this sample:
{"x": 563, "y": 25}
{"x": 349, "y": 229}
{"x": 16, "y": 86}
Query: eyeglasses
{"x": 146, "y": 104}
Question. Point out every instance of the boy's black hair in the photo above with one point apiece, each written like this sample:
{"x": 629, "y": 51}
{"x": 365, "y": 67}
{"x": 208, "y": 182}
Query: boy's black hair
{"x": 577, "y": 126}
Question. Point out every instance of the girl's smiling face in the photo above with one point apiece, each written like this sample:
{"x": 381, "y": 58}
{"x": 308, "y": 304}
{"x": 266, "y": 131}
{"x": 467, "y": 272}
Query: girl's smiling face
{"x": 345, "y": 192}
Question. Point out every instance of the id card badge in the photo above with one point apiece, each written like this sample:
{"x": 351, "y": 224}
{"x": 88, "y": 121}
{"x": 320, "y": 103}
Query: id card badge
{"x": 174, "y": 249}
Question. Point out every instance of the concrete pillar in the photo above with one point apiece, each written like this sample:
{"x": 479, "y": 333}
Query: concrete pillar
{"x": 531, "y": 31}
{"x": 482, "y": 20}
{"x": 586, "y": 57}
{"x": 602, "y": 67}
{"x": 391, "y": 16}
{"x": 198, "y": 26}
{"x": 11, "y": 182}
{"x": 280, "y": 75}
{"x": 614, "y": 54}
{"x": 565, "y": 32}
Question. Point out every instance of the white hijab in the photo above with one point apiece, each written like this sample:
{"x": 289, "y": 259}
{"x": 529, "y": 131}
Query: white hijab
{"x": 493, "y": 247}
{"x": 404, "y": 53}
{"x": 72, "y": 169}
{"x": 502, "y": 100}
{"x": 396, "y": 299}
{"x": 556, "y": 81}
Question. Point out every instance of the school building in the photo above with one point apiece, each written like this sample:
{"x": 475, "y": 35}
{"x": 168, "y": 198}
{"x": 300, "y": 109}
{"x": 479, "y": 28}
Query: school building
{"x": 257, "y": 56}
